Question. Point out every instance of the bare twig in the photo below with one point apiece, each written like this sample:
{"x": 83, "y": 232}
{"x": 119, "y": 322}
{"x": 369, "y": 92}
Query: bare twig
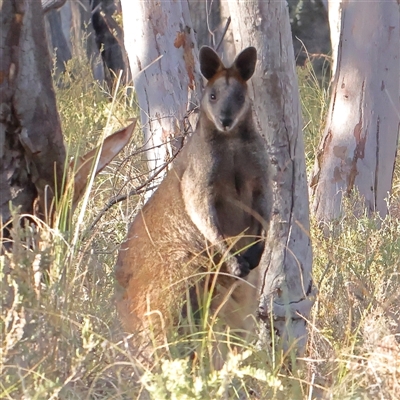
{"x": 228, "y": 22}
{"x": 208, "y": 23}
{"x": 141, "y": 189}
{"x": 117, "y": 199}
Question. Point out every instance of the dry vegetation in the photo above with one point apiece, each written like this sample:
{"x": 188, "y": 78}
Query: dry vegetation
{"x": 60, "y": 336}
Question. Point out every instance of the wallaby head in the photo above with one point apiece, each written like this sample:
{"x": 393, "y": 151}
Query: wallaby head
{"x": 225, "y": 100}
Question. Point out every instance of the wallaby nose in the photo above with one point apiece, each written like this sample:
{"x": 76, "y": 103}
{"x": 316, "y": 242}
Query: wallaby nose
{"x": 226, "y": 122}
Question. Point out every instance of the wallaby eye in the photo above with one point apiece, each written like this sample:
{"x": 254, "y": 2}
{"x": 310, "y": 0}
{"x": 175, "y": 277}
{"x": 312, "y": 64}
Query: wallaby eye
{"x": 213, "y": 97}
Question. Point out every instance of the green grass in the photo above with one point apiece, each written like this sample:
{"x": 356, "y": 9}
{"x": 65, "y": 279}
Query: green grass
{"x": 314, "y": 97}
{"x": 61, "y": 338}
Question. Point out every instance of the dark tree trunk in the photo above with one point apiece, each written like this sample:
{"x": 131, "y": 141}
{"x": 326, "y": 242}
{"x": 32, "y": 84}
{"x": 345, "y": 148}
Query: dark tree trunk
{"x": 70, "y": 33}
{"x": 32, "y": 152}
{"x": 83, "y": 36}
{"x": 57, "y": 40}
{"x": 110, "y": 45}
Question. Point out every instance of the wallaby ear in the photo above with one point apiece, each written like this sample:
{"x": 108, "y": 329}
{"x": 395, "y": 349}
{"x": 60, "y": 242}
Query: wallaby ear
{"x": 82, "y": 167}
{"x": 210, "y": 63}
{"x": 245, "y": 63}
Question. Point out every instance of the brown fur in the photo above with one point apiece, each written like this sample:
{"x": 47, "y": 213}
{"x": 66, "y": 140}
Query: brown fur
{"x": 213, "y": 203}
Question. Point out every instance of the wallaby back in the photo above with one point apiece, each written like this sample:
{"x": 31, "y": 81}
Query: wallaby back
{"x": 208, "y": 218}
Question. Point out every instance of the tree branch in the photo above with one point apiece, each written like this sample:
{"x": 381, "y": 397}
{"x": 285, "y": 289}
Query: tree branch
{"x": 48, "y": 5}
{"x": 228, "y": 22}
{"x": 141, "y": 189}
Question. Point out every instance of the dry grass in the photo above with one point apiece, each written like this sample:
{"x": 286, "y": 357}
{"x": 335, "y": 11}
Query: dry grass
{"x": 60, "y": 336}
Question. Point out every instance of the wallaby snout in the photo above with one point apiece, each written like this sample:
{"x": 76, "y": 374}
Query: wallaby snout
{"x": 231, "y": 105}
{"x": 226, "y": 120}
{"x": 226, "y": 117}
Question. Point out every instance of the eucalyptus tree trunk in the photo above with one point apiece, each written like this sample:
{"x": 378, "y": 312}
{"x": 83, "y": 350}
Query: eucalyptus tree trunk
{"x": 109, "y": 39}
{"x": 228, "y": 48}
{"x": 70, "y": 33}
{"x": 334, "y": 15}
{"x": 83, "y": 36}
{"x": 359, "y": 145}
{"x": 209, "y": 19}
{"x": 162, "y": 52}
{"x": 206, "y": 19}
{"x": 58, "y": 43}
{"x": 286, "y": 292}
{"x": 32, "y": 152}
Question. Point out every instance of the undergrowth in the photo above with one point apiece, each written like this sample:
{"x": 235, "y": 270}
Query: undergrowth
{"x": 60, "y": 335}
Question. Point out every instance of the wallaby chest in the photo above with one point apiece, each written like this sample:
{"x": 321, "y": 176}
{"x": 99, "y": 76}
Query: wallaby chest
{"x": 232, "y": 171}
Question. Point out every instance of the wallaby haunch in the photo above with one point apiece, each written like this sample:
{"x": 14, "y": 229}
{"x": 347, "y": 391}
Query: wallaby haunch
{"x": 207, "y": 219}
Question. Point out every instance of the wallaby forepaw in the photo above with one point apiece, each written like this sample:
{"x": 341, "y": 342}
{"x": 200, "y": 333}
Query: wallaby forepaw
{"x": 239, "y": 267}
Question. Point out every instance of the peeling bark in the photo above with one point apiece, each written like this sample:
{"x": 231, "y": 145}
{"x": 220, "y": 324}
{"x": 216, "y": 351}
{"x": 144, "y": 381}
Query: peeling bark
{"x": 286, "y": 291}
{"x": 162, "y": 53}
{"x": 358, "y": 149}
{"x": 32, "y": 152}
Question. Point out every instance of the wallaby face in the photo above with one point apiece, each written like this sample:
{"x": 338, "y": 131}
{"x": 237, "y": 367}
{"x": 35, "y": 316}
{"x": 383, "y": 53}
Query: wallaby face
{"x": 208, "y": 218}
{"x": 225, "y": 99}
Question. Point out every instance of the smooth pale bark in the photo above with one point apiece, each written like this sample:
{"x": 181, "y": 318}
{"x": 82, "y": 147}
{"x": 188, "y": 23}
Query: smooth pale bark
{"x": 334, "y": 15}
{"x": 206, "y": 18}
{"x": 228, "y": 48}
{"x": 32, "y": 152}
{"x": 209, "y": 21}
{"x": 286, "y": 293}
{"x": 162, "y": 52}
{"x": 359, "y": 145}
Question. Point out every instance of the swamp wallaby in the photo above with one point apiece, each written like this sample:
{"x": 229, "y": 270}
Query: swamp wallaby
{"x": 208, "y": 217}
